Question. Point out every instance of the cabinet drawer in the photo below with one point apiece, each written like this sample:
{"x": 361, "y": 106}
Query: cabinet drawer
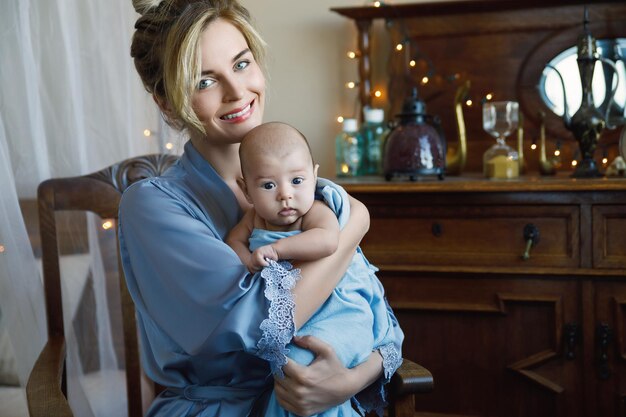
{"x": 472, "y": 236}
{"x": 609, "y": 236}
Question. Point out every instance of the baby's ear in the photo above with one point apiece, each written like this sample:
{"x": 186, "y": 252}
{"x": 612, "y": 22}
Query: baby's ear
{"x": 315, "y": 168}
{"x": 242, "y": 184}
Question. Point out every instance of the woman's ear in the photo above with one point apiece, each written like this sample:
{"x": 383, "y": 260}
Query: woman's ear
{"x": 160, "y": 101}
{"x": 242, "y": 184}
{"x": 164, "y": 106}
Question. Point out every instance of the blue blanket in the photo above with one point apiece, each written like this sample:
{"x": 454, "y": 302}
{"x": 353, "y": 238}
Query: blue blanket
{"x": 355, "y": 319}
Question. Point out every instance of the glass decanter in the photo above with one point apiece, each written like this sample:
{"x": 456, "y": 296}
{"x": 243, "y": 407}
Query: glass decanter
{"x": 500, "y": 118}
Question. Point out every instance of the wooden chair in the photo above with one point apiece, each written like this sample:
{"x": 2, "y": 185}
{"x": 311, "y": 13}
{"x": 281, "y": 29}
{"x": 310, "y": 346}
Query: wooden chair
{"x": 100, "y": 193}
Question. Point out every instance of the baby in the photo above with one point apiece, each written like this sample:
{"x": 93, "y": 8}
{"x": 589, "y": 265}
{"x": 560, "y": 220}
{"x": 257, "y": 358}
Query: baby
{"x": 279, "y": 179}
{"x": 288, "y": 221}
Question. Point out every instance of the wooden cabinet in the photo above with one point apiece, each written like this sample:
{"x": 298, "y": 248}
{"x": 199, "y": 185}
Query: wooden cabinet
{"x": 504, "y": 336}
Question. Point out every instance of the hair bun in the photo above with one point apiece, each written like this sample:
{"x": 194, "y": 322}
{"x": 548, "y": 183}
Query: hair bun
{"x": 144, "y": 6}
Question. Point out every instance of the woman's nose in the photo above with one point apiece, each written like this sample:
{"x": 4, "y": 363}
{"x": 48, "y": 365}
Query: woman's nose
{"x": 233, "y": 89}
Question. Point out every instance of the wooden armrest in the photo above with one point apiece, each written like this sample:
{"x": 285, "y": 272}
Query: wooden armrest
{"x": 410, "y": 378}
{"x": 43, "y": 390}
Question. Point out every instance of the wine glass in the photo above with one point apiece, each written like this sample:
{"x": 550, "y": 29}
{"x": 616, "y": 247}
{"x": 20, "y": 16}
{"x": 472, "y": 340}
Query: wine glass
{"x": 500, "y": 118}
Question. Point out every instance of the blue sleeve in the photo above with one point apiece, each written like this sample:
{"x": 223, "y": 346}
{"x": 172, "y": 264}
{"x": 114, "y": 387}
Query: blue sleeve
{"x": 335, "y": 197}
{"x": 184, "y": 277}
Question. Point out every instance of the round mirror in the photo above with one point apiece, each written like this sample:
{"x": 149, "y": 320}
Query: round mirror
{"x": 551, "y": 90}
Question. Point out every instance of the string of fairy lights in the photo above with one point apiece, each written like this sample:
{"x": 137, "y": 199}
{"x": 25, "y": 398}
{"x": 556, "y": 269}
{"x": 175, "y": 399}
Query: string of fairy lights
{"x": 150, "y": 134}
{"x": 413, "y": 57}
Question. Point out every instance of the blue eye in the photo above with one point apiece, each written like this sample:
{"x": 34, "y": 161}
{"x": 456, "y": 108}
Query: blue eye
{"x": 297, "y": 181}
{"x": 268, "y": 186}
{"x": 241, "y": 65}
{"x": 205, "y": 83}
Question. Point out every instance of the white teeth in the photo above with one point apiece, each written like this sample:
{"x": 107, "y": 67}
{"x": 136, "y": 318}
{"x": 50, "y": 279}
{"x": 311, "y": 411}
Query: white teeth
{"x": 234, "y": 115}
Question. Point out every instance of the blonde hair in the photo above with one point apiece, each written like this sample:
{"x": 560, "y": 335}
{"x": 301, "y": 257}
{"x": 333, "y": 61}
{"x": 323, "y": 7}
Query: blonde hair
{"x": 165, "y": 49}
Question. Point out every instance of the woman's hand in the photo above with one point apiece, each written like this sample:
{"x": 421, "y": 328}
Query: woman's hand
{"x": 325, "y": 383}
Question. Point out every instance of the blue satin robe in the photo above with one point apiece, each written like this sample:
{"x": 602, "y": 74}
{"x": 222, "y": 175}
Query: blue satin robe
{"x": 200, "y": 314}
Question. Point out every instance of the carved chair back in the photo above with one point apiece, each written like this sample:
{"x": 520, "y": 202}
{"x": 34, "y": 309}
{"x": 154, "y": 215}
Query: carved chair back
{"x": 99, "y": 193}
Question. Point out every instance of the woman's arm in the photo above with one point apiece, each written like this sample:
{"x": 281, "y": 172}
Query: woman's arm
{"x": 325, "y": 383}
{"x": 320, "y": 277}
{"x": 238, "y": 237}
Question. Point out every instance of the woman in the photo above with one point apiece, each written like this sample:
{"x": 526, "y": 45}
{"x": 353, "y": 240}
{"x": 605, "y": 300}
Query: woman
{"x": 199, "y": 311}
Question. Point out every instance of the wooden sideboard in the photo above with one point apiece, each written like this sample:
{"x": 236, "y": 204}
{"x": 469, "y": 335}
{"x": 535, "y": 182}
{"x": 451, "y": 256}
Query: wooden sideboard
{"x": 504, "y": 336}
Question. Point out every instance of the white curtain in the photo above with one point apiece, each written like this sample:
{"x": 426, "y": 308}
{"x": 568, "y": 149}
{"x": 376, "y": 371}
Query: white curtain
{"x": 70, "y": 104}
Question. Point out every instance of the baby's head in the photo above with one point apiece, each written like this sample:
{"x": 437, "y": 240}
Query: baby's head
{"x": 272, "y": 140}
{"x": 278, "y": 172}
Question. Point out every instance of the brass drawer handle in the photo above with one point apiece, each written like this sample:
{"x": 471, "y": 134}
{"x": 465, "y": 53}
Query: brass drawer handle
{"x": 531, "y": 236}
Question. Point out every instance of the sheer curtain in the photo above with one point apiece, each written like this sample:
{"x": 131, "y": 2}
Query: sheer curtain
{"x": 70, "y": 103}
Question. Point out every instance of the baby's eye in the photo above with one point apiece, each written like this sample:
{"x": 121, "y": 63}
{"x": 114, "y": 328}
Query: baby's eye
{"x": 241, "y": 65}
{"x": 297, "y": 181}
{"x": 205, "y": 83}
{"x": 268, "y": 185}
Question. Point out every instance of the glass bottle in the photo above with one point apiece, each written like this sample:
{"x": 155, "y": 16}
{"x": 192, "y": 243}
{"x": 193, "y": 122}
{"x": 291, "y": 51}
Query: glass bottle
{"x": 348, "y": 149}
{"x": 374, "y": 133}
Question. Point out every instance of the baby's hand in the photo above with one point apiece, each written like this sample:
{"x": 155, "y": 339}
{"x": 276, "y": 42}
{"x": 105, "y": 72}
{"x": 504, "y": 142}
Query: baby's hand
{"x": 258, "y": 259}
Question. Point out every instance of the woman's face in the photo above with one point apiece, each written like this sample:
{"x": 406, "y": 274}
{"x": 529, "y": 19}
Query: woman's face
{"x": 229, "y": 99}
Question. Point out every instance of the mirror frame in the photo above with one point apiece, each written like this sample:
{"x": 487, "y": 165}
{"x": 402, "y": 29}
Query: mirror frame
{"x": 530, "y": 74}
{"x": 571, "y": 53}
{"x": 620, "y": 44}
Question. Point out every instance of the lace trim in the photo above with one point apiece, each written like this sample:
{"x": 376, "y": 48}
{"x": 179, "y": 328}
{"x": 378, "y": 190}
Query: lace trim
{"x": 278, "y": 329}
{"x": 373, "y": 398}
{"x": 392, "y": 359}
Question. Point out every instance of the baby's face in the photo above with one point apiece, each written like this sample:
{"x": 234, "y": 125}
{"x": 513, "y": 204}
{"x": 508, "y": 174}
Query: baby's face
{"x": 282, "y": 189}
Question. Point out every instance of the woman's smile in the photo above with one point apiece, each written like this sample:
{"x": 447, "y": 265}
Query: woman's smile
{"x": 239, "y": 115}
